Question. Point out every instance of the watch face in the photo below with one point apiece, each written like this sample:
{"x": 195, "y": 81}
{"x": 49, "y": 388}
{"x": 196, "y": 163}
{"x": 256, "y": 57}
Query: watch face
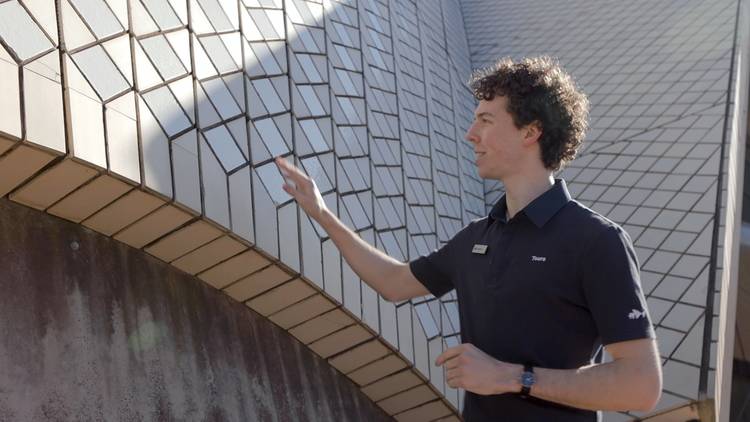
{"x": 527, "y": 379}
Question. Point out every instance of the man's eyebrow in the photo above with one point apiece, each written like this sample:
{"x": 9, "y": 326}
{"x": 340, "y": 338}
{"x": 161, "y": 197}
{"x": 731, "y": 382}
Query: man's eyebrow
{"x": 485, "y": 114}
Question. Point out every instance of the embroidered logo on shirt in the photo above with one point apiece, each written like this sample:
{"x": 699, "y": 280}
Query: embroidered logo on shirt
{"x": 535, "y": 258}
{"x": 635, "y": 314}
{"x": 480, "y": 249}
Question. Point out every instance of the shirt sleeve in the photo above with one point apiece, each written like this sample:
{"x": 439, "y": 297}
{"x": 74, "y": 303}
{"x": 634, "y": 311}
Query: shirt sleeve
{"x": 612, "y": 288}
{"x": 435, "y": 271}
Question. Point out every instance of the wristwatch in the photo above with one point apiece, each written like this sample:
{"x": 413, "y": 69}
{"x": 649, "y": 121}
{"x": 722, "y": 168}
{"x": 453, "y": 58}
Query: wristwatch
{"x": 527, "y": 380}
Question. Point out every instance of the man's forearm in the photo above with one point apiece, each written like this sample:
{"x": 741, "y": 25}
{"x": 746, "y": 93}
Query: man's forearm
{"x": 619, "y": 385}
{"x": 390, "y": 278}
{"x": 377, "y": 269}
{"x": 631, "y": 382}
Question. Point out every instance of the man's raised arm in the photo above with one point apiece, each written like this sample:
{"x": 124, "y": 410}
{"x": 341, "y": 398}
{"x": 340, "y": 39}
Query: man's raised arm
{"x": 389, "y": 277}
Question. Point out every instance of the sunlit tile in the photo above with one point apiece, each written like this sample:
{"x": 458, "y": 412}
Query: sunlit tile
{"x": 216, "y": 15}
{"x": 311, "y": 100}
{"x": 180, "y": 8}
{"x": 312, "y": 255}
{"x": 202, "y": 65}
{"x": 157, "y": 172}
{"x": 233, "y": 43}
{"x": 10, "y": 101}
{"x": 314, "y": 169}
{"x": 289, "y": 251}
{"x": 167, "y": 110}
{"x": 162, "y": 13}
{"x": 238, "y": 129}
{"x": 264, "y": 58}
{"x": 207, "y": 114}
{"x": 270, "y": 24}
{"x": 120, "y": 9}
{"x": 265, "y": 211}
{"x": 306, "y": 39}
{"x": 241, "y": 204}
{"x": 313, "y": 134}
{"x": 122, "y": 137}
{"x": 278, "y": 4}
{"x": 163, "y": 56}
{"x": 268, "y": 95}
{"x": 20, "y": 32}
{"x": 98, "y": 16}
{"x": 87, "y": 128}
{"x": 119, "y": 51}
{"x": 218, "y": 53}
{"x": 225, "y": 148}
{"x": 215, "y": 189}
{"x": 272, "y": 181}
{"x": 75, "y": 32}
{"x": 44, "y": 103}
{"x": 180, "y": 42}
{"x": 146, "y": 72}
{"x": 271, "y": 137}
{"x": 236, "y": 84}
{"x": 308, "y": 66}
{"x": 185, "y": 164}
{"x": 221, "y": 98}
{"x": 142, "y": 22}
{"x": 45, "y": 15}
{"x": 101, "y": 72}
{"x": 183, "y": 91}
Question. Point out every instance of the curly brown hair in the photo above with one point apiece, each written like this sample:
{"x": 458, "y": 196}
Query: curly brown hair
{"x": 539, "y": 91}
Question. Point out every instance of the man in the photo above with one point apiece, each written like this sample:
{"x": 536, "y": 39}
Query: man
{"x": 542, "y": 282}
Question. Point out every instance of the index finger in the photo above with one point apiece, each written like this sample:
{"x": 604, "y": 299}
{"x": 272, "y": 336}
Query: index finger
{"x": 448, "y": 354}
{"x": 289, "y": 170}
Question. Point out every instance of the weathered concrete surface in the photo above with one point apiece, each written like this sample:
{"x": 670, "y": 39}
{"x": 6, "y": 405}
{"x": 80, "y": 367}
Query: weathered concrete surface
{"x": 91, "y": 329}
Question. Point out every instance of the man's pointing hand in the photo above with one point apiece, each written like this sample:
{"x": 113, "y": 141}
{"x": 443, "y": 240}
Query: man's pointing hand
{"x": 302, "y": 188}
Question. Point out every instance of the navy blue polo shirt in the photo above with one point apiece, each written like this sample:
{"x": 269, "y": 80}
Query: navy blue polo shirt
{"x": 548, "y": 287}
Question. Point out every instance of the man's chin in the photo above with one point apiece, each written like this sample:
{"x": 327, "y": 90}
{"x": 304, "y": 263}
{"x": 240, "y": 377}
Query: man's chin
{"x": 487, "y": 176}
{"x": 484, "y": 174}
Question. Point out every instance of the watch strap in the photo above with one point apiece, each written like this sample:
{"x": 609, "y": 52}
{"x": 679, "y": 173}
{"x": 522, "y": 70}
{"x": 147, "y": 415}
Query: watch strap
{"x": 525, "y": 387}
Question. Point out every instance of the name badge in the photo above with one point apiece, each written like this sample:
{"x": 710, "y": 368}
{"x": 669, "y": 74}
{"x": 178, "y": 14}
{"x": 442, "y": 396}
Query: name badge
{"x": 479, "y": 249}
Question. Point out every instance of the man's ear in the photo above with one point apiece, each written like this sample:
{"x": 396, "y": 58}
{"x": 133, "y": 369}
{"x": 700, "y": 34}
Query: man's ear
{"x": 532, "y": 132}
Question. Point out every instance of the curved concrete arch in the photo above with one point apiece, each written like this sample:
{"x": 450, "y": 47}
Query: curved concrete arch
{"x": 94, "y": 329}
{"x": 226, "y": 262}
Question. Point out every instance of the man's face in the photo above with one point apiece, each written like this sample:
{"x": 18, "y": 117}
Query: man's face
{"x": 499, "y": 148}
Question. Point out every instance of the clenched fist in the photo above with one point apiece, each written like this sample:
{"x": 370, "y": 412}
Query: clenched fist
{"x": 473, "y": 370}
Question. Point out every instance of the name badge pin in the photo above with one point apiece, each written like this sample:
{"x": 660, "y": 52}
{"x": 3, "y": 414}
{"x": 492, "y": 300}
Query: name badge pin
{"x": 479, "y": 249}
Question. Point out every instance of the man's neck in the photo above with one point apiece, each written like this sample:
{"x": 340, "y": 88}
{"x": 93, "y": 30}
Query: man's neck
{"x": 520, "y": 191}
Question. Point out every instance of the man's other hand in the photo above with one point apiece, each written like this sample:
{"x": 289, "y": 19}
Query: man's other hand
{"x": 473, "y": 370}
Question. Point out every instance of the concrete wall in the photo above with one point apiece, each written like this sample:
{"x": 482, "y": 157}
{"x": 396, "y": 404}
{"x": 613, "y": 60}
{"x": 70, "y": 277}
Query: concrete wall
{"x": 92, "y": 329}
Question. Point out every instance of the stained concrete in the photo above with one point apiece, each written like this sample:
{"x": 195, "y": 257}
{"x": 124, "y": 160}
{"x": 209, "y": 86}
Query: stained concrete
{"x": 91, "y": 329}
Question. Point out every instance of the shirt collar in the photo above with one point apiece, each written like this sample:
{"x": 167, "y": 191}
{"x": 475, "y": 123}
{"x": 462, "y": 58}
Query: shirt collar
{"x": 541, "y": 209}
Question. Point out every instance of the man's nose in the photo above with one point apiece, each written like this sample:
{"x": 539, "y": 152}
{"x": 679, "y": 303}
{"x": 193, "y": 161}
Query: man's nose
{"x": 470, "y": 135}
